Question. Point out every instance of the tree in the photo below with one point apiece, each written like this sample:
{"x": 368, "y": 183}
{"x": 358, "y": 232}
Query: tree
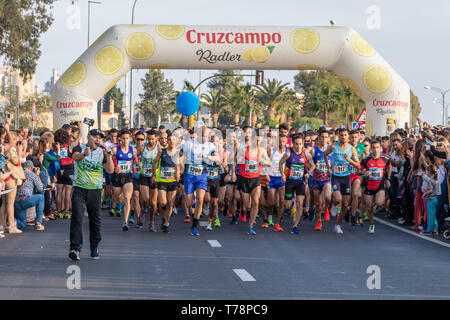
{"x": 349, "y": 103}
{"x": 21, "y": 25}
{"x": 215, "y": 102}
{"x": 322, "y": 99}
{"x": 414, "y": 108}
{"x": 115, "y": 94}
{"x": 270, "y": 94}
{"x": 158, "y": 100}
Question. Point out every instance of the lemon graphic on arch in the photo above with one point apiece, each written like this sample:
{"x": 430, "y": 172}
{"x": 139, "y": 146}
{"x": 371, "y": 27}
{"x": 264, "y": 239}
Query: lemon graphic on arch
{"x": 247, "y": 56}
{"x": 377, "y": 79}
{"x": 260, "y": 54}
{"x": 361, "y": 46}
{"x": 305, "y": 40}
{"x": 140, "y": 46}
{"x": 170, "y": 32}
{"x": 74, "y": 75}
{"x": 108, "y": 60}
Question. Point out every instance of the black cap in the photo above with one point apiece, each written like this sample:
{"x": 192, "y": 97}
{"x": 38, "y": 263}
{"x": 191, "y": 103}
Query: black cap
{"x": 96, "y": 132}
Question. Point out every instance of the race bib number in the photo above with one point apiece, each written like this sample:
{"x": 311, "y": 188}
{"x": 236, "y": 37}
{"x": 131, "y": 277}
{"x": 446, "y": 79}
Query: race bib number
{"x": 251, "y": 166}
{"x": 195, "y": 169}
{"x": 125, "y": 166}
{"x": 322, "y": 166}
{"x": 341, "y": 169}
{"x": 353, "y": 170}
{"x": 376, "y": 173}
{"x": 213, "y": 173}
{"x": 64, "y": 153}
{"x": 147, "y": 170}
{"x": 168, "y": 173}
{"x": 297, "y": 172}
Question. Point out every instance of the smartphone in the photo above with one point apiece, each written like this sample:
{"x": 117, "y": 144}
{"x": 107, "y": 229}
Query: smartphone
{"x": 8, "y": 115}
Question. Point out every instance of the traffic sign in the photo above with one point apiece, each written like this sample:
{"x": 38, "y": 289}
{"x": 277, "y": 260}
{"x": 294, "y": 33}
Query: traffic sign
{"x": 357, "y": 125}
{"x": 362, "y": 116}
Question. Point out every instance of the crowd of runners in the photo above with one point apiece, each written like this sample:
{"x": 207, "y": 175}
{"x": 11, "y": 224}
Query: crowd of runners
{"x": 266, "y": 177}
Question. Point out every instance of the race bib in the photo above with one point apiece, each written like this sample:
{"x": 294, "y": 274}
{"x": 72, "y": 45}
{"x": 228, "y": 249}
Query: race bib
{"x": 213, "y": 173}
{"x": 125, "y": 166}
{"x": 353, "y": 170}
{"x": 147, "y": 170}
{"x": 168, "y": 173}
{"x": 296, "y": 172}
{"x": 376, "y": 173}
{"x": 64, "y": 153}
{"x": 341, "y": 169}
{"x": 322, "y": 166}
{"x": 195, "y": 169}
{"x": 251, "y": 166}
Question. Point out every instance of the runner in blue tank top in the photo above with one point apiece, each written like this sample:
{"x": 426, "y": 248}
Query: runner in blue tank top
{"x": 344, "y": 155}
{"x": 124, "y": 156}
{"x": 321, "y": 179}
{"x": 298, "y": 163}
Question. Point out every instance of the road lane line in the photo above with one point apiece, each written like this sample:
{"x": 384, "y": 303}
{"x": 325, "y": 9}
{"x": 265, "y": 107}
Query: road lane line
{"x": 214, "y": 244}
{"x": 244, "y": 275}
{"x": 414, "y": 233}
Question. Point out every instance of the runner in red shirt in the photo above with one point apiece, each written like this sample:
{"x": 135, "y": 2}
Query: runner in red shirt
{"x": 378, "y": 171}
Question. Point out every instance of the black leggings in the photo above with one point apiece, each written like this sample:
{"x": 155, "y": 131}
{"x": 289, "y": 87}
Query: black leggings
{"x": 91, "y": 200}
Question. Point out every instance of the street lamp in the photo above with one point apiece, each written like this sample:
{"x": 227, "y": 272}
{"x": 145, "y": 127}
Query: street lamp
{"x": 89, "y": 17}
{"x": 131, "y": 78}
{"x": 444, "y": 106}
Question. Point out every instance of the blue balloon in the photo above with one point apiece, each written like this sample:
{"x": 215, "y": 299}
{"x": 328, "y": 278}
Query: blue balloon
{"x": 187, "y": 103}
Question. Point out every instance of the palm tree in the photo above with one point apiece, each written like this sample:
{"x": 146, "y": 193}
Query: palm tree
{"x": 347, "y": 101}
{"x": 215, "y": 101}
{"x": 270, "y": 94}
{"x": 287, "y": 106}
{"x": 323, "y": 99}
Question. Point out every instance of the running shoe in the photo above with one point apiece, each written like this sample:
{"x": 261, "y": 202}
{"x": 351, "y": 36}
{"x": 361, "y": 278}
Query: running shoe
{"x": 251, "y": 231}
{"x": 217, "y": 223}
{"x": 209, "y": 226}
{"x": 372, "y": 228}
{"x": 360, "y": 221}
{"x": 366, "y": 217}
{"x": 271, "y": 223}
{"x": 30, "y": 223}
{"x": 139, "y": 224}
{"x": 229, "y": 214}
{"x": 278, "y": 228}
{"x": 67, "y": 215}
{"x": 151, "y": 227}
{"x": 194, "y": 231}
{"x": 125, "y": 226}
{"x": 60, "y": 214}
{"x": 94, "y": 253}
{"x": 187, "y": 219}
{"x": 326, "y": 215}
{"x": 131, "y": 220}
{"x": 318, "y": 226}
{"x": 242, "y": 216}
{"x": 112, "y": 212}
{"x": 347, "y": 216}
{"x": 74, "y": 255}
{"x": 166, "y": 229}
{"x": 174, "y": 212}
{"x": 353, "y": 221}
{"x": 234, "y": 220}
{"x": 295, "y": 230}
{"x": 265, "y": 224}
{"x": 338, "y": 229}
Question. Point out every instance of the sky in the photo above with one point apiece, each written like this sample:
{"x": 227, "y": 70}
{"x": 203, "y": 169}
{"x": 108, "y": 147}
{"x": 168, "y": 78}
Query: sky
{"x": 412, "y": 36}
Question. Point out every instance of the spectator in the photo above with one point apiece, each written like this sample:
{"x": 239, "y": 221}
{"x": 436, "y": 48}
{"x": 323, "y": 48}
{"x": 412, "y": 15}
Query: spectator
{"x": 29, "y": 195}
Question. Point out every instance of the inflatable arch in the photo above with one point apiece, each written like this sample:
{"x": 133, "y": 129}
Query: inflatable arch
{"x": 340, "y": 49}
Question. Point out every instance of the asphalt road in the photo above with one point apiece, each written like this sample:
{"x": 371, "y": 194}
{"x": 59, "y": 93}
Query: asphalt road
{"x": 139, "y": 264}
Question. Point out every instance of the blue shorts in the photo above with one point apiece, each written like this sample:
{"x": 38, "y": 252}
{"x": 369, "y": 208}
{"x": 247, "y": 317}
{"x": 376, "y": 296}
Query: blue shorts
{"x": 194, "y": 182}
{"x": 275, "y": 183}
{"x": 341, "y": 184}
{"x": 318, "y": 184}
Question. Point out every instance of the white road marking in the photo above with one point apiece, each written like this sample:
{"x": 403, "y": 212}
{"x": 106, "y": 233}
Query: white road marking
{"x": 244, "y": 275}
{"x": 214, "y": 244}
{"x": 414, "y": 233}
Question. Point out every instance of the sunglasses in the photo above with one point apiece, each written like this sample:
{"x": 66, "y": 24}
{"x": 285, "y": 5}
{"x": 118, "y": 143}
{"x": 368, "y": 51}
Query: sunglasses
{"x": 307, "y": 141}
{"x": 140, "y": 139}
{"x": 366, "y": 145}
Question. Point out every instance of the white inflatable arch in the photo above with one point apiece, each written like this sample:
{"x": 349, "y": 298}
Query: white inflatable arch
{"x": 340, "y": 49}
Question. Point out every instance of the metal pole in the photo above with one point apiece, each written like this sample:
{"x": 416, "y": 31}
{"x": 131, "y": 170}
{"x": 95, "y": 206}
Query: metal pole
{"x": 131, "y": 79}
